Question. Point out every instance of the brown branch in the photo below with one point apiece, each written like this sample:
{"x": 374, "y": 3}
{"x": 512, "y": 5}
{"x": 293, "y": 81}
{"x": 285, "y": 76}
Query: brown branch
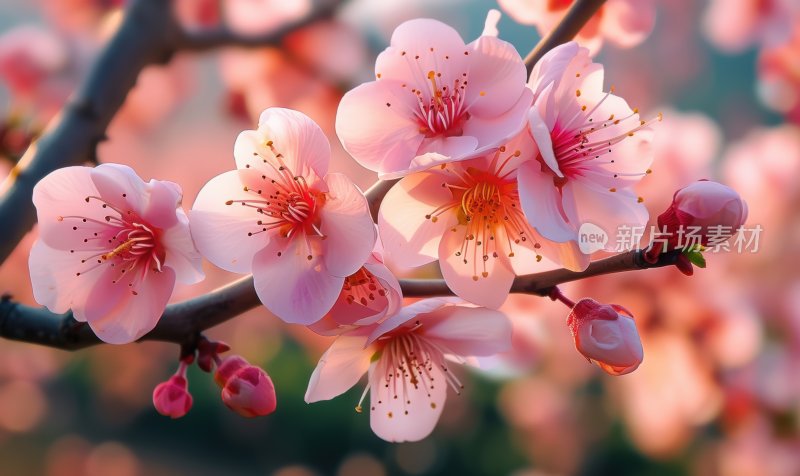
{"x": 183, "y": 322}
{"x": 574, "y": 19}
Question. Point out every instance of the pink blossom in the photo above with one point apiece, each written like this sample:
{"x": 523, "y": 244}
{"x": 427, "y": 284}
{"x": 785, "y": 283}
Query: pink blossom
{"x": 468, "y": 216}
{"x": 259, "y": 16}
{"x": 435, "y": 100}
{"x": 779, "y": 76}
{"x": 281, "y": 216}
{"x": 733, "y": 25}
{"x": 246, "y": 389}
{"x": 607, "y": 335}
{"x": 172, "y": 398}
{"x": 405, "y": 358}
{"x": 367, "y": 296}
{"x": 592, "y": 150}
{"x": 111, "y": 248}
{"x": 625, "y": 23}
{"x": 28, "y": 55}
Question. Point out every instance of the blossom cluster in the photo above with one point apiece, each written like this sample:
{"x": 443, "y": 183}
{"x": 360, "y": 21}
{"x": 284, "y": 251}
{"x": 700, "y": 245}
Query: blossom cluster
{"x": 497, "y": 171}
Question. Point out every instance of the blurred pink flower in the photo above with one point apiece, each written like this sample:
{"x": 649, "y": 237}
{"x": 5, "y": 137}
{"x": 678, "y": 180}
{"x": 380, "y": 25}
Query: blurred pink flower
{"x": 593, "y": 150}
{"x": 435, "y": 100}
{"x": 761, "y": 166}
{"x": 684, "y": 148}
{"x": 625, "y": 23}
{"x": 246, "y": 389}
{"x": 607, "y": 335}
{"x": 281, "y": 216}
{"x": 468, "y": 216}
{"x": 405, "y": 357}
{"x": 172, "y": 398}
{"x": 368, "y": 295}
{"x": 111, "y": 248}
{"x": 733, "y": 25}
{"x": 28, "y": 56}
{"x": 779, "y": 76}
{"x": 252, "y": 17}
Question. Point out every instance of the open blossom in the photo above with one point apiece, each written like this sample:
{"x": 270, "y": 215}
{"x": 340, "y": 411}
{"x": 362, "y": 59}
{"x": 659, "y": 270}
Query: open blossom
{"x": 405, "y": 358}
{"x": 607, "y": 335}
{"x": 110, "y": 248}
{"x": 28, "y": 56}
{"x": 592, "y": 149}
{"x": 367, "y": 296}
{"x": 625, "y": 23}
{"x": 779, "y": 76}
{"x": 435, "y": 100}
{"x": 281, "y": 216}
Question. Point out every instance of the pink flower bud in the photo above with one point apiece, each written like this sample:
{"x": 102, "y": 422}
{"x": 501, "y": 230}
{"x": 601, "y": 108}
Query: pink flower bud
{"x": 172, "y": 398}
{"x": 607, "y": 335}
{"x": 705, "y": 204}
{"x": 246, "y": 389}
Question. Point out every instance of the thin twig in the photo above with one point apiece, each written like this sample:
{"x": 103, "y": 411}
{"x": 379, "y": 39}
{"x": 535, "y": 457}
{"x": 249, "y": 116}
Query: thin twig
{"x": 574, "y": 19}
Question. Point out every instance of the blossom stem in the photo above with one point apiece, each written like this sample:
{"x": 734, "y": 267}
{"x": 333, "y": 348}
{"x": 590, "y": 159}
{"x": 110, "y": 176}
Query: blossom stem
{"x": 557, "y": 295}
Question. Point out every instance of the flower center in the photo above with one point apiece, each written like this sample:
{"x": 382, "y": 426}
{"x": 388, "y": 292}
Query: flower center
{"x": 581, "y": 142}
{"x": 362, "y": 287}
{"x": 441, "y": 108}
{"x": 283, "y": 202}
{"x": 488, "y": 211}
{"x": 125, "y": 242}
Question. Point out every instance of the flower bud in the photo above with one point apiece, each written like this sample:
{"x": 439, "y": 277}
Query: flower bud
{"x": 705, "y": 204}
{"x": 246, "y": 389}
{"x": 172, "y": 398}
{"x": 606, "y": 334}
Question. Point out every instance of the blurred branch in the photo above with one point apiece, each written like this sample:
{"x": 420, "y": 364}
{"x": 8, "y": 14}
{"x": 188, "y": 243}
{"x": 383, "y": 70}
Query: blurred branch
{"x": 576, "y": 17}
{"x": 224, "y": 36}
{"x": 183, "y": 322}
{"x": 150, "y": 34}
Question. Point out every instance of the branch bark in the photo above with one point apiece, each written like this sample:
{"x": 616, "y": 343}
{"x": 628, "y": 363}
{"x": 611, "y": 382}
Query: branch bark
{"x": 574, "y": 19}
{"x": 183, "y": 322}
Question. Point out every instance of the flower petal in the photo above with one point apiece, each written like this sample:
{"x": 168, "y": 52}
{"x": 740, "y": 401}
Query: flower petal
{"x": 339, "y": 368}
{"x": 469, "y": 331}
{"x": 221, "y": 231}
{"x": 54, "y": 280}
{"x": 347, "y": 225}
{"x": 296, "y": 289}
{"x": 181, "y": 254}
{"x": 379, "y": 137}
{"x": 542, "y": 203}
{"x": 118, "y": 316}
{"x": 496, "y": 77}
{"x": 408, "y": 412}
{"x": 410, "y": 238}
{"x": 485, "y": 282}
{"x": 119, "y": 185}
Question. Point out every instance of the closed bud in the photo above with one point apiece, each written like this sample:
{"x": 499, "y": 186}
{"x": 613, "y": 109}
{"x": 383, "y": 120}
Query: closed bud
{"x": 246, "y": 389}
{"x": 172, "y": 398}
{"x": 705, "y": 204}
{"x": 607, "y": 335}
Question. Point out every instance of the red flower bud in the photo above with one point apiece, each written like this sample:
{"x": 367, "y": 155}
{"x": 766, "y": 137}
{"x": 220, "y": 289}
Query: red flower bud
{"x": 246, "y": 389}
{"x": 172, "y": 398}
{"x": 606, "y": 334}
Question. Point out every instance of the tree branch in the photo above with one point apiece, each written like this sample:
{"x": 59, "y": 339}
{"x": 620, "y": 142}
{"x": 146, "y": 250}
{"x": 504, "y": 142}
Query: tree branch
{"x": 576, "y": 17}
{"x": 183, "y": 322}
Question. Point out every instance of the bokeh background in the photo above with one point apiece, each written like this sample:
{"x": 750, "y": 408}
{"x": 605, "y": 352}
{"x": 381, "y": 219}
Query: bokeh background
{"x": 718, "y": 392}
